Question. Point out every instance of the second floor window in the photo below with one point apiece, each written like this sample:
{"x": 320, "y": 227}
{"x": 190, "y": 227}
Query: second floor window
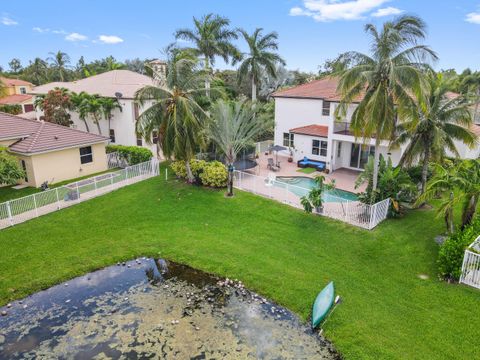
{"x": 288, "y": 139}
{"x": 112, "y": 135}
{"x": 319, "y": 147}
{"x": 326, "y": 108}
{"x": 23, "y": 90}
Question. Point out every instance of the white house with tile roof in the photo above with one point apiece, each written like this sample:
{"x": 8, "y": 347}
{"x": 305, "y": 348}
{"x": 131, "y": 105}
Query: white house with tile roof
{"x": 305, "y": 123}
{"x": 120, "y": 84}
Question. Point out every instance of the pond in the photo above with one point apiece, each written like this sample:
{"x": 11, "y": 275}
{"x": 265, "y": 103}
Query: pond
{"x": 149, "y": 308}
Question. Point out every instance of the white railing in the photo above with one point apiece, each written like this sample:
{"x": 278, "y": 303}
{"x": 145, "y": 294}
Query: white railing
{"x": 471, "y": 265}
{"x": 349, "y": 211}
{"x": 115, "y": 161}
{"x": 19, "y": 210}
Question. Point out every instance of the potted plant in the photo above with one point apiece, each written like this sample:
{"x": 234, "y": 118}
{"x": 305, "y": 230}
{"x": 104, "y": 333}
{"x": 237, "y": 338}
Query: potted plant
{"x": 314, "y": 199}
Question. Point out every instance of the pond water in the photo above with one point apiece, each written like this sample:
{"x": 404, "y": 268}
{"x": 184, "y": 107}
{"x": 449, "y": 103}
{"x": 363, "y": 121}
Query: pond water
{"x": 154, "y": 309}
{"x": 301, "y": 185}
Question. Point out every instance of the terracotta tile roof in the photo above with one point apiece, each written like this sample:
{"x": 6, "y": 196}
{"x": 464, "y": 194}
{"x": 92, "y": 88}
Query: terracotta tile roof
{"x": 14, "y": 82}
{"x": 39, "y": 136}
{"x": 15, "y": 99}
{"x": 311, "y": 130}
{"x": 106, "y": 84}
{"x": 325, "y": 89}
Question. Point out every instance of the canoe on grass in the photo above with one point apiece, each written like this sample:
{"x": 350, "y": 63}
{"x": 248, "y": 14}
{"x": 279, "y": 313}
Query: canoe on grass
{"x": 323, "y": 304}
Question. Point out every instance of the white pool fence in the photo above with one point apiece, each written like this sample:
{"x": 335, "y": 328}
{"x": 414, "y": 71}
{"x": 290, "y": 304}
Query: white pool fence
{"x": 22, "y": 209}
{"x": 350, "y": 211}
{"x": 471, "y": 265}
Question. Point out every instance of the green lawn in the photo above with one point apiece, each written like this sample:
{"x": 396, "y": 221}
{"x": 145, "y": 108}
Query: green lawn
{"x": 8, "y": 193}
{"x": 283, "y": 253}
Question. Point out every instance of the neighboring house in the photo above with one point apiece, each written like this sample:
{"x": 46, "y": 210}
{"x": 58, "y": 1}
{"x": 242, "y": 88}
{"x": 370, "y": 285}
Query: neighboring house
{"x": 17, "y": 93}
{"x": 120, "y": 84}
{"x": 50, "y": 152}
{"x": 305, "y": 122}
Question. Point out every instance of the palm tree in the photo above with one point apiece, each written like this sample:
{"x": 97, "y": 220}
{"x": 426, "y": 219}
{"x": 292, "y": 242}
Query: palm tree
{"x": 108, "y": 105}
{"x": 175, "y": 115}
{"x": 388, "y": 80}
{"x": 469, "y": 185}
{"x": 471, "y": 85}
{"x": 211, "y": 38}
{"x": 440, "y": 121}
{"x": 38, "y": 70}
{"x": 94, "y": 109}
{"x": 260, "y": 58}
{"x": 60, "y": 61}
{"x": 80, "y": 103}
{"x": 232, "y": 128}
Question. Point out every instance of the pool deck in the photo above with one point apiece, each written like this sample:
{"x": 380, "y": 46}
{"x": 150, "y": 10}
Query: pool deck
{"x": 344, "y": 178}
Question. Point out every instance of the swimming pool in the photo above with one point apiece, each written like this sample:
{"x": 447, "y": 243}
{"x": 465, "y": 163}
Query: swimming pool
{"x": 302, "y": 185}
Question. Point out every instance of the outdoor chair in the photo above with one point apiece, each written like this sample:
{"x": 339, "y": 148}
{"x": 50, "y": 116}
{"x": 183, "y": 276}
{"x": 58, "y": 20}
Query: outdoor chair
{"x": 271, "y": 165}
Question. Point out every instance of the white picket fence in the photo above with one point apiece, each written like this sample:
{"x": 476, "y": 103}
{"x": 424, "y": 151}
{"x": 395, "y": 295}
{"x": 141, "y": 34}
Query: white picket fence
{"x": 471, "y": 265}
{"x": 22, "y": 209}
{"x": 352, "y": 212}
{"x": 115, "y": 161}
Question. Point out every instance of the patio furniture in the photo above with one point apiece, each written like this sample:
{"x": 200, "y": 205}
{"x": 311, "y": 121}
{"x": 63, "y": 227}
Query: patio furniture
{"x": 277, "y": 148}
{"x": 316, "y": 164}
{"x": 271, "y": 165}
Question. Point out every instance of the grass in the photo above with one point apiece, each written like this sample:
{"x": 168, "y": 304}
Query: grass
{"x": 307, "y": 170}
{"x": 281, "y": 252}
{"x": 8, "y": 193}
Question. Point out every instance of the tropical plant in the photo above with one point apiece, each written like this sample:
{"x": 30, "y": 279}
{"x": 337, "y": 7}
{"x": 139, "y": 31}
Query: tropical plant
{"x": 14, "y": 109}
{"x": 314, "y": 198}
{"x": 108, "y": 105}
{"x": 470, "y": 85}
{"x": 80, "y": 105}
{"x": 394, "y": 183}
{"x": 55, "y": 106}
{"x": 388, "y": 80}
{"x": 441, "y": 121}
{"x": 37, "y": 71}
{"x": 175, "y": 115}
{"x": 214, "y": 174}
{"x": 232, "y": 127}
{"x": 10, "y": 171}
{"x": 59, "y": 62}
{"x": 15, "y": 65}
{"x": 211, "y": 37}
{"x": 261, "y": 56}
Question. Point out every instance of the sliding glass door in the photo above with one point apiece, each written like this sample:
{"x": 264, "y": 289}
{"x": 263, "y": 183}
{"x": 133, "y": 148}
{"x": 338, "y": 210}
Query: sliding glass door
{"x": 359, "y": 155}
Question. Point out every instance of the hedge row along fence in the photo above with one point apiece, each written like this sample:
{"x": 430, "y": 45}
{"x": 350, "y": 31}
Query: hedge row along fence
{"x": 131, "y": 154}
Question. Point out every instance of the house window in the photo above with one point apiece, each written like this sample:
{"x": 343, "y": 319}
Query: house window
{"x": 288, "y": 139}
{"x": 86, "y": 155}
{"x": 155, "y": 137}
{"x": 319, "y": 147}
{"x": 326, "y": 108}
{"x": 112, "y": 135}
{"x": 24, "y": 167}
{"x": 139, "y": 140}
{"x": 23, "y": 90}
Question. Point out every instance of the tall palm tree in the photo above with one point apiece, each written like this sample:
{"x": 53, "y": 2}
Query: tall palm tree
{"x": 38, "y": 70}
{"x": 388, "y": 80}
{"x": 60, "y": 61}
{"x": 94, "y": 109}
{"x": 471, "y": 85}
{"x": 80, "y": 104}
{"x": 108, "y": 105}
{"x": 232, "y": 128}
{"x": 173, "y": 112}
{"x": 440, "y": 121}
{"x": 211, "y": 37}
{"x": 261, "y": 56}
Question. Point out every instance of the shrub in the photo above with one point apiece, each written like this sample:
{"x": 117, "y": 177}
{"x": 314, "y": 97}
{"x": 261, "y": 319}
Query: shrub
{"x": 14, "y": 109}
{"x": 214, "y": 174}
{"x": 132, "y": 154}
{"x": 178, "y": 167}
{"x": 450, "y": 256}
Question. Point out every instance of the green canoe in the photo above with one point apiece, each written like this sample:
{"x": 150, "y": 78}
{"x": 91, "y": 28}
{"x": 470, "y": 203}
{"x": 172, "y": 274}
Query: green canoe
{"x": 323, "y": 304}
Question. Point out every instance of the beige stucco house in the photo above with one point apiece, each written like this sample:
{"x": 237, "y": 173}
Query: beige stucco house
{"x": 50, "y": 152}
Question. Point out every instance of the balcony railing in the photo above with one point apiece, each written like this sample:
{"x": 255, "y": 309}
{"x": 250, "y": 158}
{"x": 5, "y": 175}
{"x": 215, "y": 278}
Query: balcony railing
{"x": 342, "y": 128}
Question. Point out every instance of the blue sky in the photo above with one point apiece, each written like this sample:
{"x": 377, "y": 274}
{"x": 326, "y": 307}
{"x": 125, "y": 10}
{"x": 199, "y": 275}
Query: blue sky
{"x": 310, "y": 31}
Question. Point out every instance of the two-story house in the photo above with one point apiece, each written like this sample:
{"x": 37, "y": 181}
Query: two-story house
{"x": 16, "y": 92}
{"x": 119, "y": 84}
{"x": 305, "y": 123}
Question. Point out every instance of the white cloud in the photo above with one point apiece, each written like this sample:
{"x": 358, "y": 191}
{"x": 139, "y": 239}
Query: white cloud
{"x": 8, "y": 21}
{"x": 40, "y": 30}
{"x": 387, "y": 11}
{"x": 473, "y": 18}
{"x": 110, "y": 39}
{"x": 330, "y": 10}
{"x": 75, "y": 37}
{"x": 61, "y": 32}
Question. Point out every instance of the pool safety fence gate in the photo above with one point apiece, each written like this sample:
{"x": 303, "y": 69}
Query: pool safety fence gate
{"x": 22, "y": 209}
{"x": 471, "y": 265}
{"x": 349, "y": 211}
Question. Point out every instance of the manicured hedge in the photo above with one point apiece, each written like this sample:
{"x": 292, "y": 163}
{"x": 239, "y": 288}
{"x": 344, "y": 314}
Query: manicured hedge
{"x": 132, "y": 154}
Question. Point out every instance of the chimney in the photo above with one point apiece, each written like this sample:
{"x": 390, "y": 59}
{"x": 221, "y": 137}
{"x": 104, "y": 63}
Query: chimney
{"x": 159, "y": 68}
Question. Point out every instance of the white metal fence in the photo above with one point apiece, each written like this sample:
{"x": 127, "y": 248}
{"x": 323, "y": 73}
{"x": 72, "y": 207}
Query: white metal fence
{"x": 349, "y": 211}
{"x": 19, "y": 210}
{"x": 471, "y": 265}
{"x": 114, "y": 161}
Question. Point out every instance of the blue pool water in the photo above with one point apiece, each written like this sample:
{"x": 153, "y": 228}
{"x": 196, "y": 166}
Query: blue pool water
{"x": 302, "y": 185}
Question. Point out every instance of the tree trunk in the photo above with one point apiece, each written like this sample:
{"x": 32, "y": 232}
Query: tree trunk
{"x": 230, "y": 180}
{"x": 426, "y": 160}
{"x": 376, "y": 160}
{"x": 254, "y": 89}
{"x": 207, "y": 77}
{"x": 98, "y": 127}
{"x": 469, "y": 212}
{"x": 449, "y": 217}
{"x": 190, "y": 177}
{"x": 86, "y": 125}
